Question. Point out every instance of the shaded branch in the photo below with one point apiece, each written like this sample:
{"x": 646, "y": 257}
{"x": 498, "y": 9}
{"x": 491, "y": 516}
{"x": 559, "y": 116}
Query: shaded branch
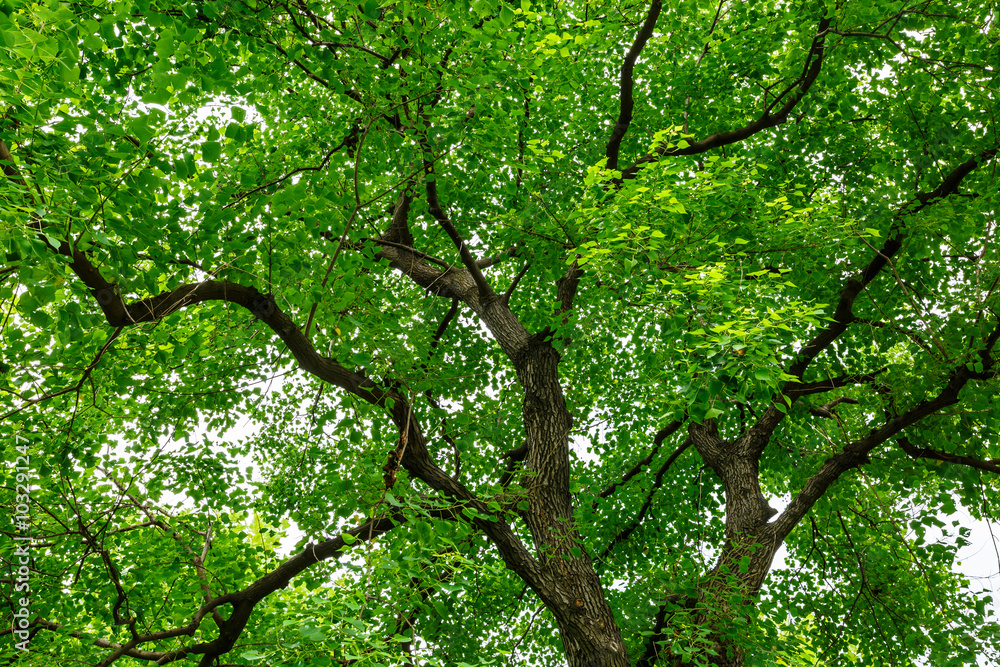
{"x": 627, "y": 84}
{"x": 415, "y": 458}
{"x": 435, "y": 341}
{"x": 856, "y": 453}
{"x": 197, "y": 560}
{"x": 795, "y": 92}
{"x": 399, "y": 226}
{"x": 298, "y": 63}
{"x": 826, "y": 410}
{"x": 795, "y": 390}
{"x": 626, "y": 532}
{"x": 653, "y": 653}
{"x": 913, "y": 336}
{"x": 661, "y": 435}
{"x": 844, "y": 315}
{"x": 566, "y": 288}
{"x": 759, "y": 434}
{"x": 993, "y": 465}
{"x": 513, "y": 285}
{"x": 487, "y": 262}
{"x": 514, "y": 459}
{"x": 43, "y": 624}
{"x": 331, "y": 46}
{"x": 348, "y": 142}
{"x": 946, "y": 64}
{"x": 242, "y": 602}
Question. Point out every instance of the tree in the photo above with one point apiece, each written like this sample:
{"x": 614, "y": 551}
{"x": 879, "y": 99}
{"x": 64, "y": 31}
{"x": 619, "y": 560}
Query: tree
{"x": 522, "y": 314}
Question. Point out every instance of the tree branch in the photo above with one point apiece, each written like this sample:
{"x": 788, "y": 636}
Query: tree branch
{"x": 485, "y": 291}
{"x": 759, "y": 434}
{"x": 661, "y": 435}
{"x": 797, "y": 90}
{"x": 566, "y": 288}
{"x": 904, "y": 443}
{"x": 856, "y": 453}
{"x": 795, "y": 390}
{"x": 348, "y": 142}
{"x": 844, "y": 315}
{"x": 626, "y": 532}
{"x": 627, "y": 83}
{"x": 399, "y": 227}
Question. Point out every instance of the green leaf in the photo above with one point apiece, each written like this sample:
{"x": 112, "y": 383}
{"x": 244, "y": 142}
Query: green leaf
{"x": 211, "y": 151}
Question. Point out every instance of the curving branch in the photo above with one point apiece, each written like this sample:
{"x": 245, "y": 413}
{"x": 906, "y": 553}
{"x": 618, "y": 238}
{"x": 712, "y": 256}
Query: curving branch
{"x": 661, "y": 435}
{"x": 856, "y": 453}
{"x": 44, "y": 624}
{"x": 993, "y": 465}
{"x": 630, "y": 528}
{"x": 513, "y": 285}
{"x": 627, "y": 83}
{"x": 415, "y": 458}
{"x": 349, "y": 142}
{"x": 28, "y": 402}
{"x": 794, "y": 93}
{"x": 242, "y": 603}
{"x": 759, "y": 434}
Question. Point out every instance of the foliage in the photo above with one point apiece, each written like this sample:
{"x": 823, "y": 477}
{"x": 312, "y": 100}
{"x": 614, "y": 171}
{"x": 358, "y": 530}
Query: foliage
{"x": 503, "y": 318}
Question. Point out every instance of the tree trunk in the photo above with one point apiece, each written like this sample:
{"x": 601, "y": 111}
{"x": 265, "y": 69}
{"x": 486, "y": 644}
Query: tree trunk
{"x": 568, "y": 584}
{"x": 731, "y": 588}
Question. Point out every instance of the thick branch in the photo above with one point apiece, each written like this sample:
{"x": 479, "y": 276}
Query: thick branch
{"x": 457, "y": 284}
{"x": 795, "y": 92}
{"x": 515, "y": 458}
{"x": 566, "y": 288}
{"x": 485, "y": 291}
{"x": 856, "y": 453}
{"x": 416, "y": 456}
{"x": 627, "y": 83}
{"x": 399, "y": 228}
{"x": 992, "y": 465}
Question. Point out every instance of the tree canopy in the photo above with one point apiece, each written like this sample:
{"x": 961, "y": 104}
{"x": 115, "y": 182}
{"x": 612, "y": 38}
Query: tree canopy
{"x": 512, "y": 320}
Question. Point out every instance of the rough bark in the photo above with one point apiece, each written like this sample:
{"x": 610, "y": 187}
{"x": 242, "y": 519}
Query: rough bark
{"x": 570, "y": 586}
